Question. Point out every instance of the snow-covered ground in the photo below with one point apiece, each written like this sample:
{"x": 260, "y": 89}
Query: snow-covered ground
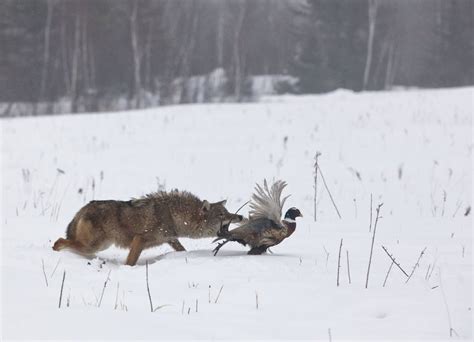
{"x": 410, "y": 150}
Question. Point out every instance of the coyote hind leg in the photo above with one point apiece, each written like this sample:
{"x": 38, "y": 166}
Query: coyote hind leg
{"x": 83, "y": 238}
{"x": 61, "y": 244}
{"x": 75, "y": 246}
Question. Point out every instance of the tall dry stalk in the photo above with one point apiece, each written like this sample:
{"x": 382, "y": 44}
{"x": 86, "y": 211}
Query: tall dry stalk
{"x": 372, "y": 245}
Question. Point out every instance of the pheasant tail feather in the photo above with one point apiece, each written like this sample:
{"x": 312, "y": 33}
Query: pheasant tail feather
{"x": 267, "y": 202}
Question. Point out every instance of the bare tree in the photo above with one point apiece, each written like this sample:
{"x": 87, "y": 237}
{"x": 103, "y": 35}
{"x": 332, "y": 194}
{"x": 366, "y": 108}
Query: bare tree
{"x": 83, "y": 51}
{"x": 75, "y": 62}
{"x": 392, "y": 65}
{"x": 64, "y": 51}
{"x": 188, "y": 50}
{"x": 148, "y": 54}
{"x": 47, "y": 37}
{"x": 238, "y": 55}
{"x": 372, "y": 9}
{"x": 137, "y": 83}
{"x": 220, "y": 39}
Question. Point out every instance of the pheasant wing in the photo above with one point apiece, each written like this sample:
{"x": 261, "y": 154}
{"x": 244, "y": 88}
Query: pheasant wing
{"x": 252, "y": 232}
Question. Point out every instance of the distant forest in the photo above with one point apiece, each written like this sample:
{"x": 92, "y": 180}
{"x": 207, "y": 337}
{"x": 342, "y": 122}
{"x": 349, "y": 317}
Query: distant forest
{"x": 60, "y": 56}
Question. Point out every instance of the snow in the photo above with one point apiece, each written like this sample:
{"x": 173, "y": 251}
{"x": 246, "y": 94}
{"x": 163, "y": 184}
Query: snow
{"x": 411, "y": 150}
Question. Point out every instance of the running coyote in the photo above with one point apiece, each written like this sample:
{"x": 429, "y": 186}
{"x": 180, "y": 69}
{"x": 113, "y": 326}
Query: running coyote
{"x": 146, "y": 222}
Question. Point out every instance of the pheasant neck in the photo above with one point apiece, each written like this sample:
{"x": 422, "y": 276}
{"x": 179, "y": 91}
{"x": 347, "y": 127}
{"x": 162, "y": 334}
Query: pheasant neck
{"x": 290, "y": 225}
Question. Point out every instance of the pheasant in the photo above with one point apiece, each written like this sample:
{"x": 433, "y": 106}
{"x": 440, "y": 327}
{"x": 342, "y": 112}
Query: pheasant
{"x": 264, "y": 228}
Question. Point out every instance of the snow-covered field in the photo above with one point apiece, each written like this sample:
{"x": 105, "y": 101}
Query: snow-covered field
{"x": 411, "y": 151}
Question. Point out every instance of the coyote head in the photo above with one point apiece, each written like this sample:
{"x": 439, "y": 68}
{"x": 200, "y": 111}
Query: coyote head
{"x": 216, "y": 215}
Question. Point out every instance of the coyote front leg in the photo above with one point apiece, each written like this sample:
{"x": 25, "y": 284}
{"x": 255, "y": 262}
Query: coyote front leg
{"x": 136, "y": 247}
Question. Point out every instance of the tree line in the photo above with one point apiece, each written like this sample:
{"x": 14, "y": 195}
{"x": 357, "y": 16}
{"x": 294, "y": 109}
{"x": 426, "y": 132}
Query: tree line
{"x": 91, "y": 55}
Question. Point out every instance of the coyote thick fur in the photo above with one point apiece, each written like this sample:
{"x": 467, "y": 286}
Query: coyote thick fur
{"x": 142, "y": 223}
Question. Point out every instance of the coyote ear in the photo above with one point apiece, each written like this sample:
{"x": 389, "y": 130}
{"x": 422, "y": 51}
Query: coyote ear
{"x": 222, "y": 202}
{"x": 206, "y": 206}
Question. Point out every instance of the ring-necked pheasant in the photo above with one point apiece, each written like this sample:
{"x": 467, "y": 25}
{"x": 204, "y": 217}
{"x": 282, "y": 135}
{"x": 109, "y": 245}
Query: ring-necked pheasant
{"x": 264, "y": 228}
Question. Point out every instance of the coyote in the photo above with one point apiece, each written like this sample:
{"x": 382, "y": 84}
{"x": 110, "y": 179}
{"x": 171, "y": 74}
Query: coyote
{"x": 146, "y": 222}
